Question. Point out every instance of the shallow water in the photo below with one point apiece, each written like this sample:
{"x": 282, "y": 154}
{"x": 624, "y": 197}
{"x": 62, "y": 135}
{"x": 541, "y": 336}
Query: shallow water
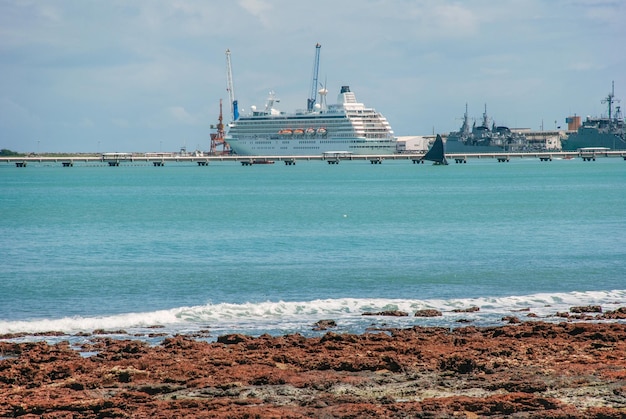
{"x": 274, "y": 248}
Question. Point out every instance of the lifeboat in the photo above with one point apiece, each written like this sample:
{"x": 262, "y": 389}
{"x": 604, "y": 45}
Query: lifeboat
{"x": 298, "y": 131}
{"x": 310, "y": 131}
{"x": 321, "y": 131}
{"x": 285, "y": 132}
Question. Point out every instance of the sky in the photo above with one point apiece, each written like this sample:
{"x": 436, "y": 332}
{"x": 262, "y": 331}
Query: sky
{"x": 148, "y": 75}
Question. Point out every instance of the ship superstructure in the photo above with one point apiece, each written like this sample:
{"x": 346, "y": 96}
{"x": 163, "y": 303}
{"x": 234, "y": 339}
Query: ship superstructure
{"x": 606, "y": 131}
{"x": 347, "y": 126}
{"x": 485, "y": 139}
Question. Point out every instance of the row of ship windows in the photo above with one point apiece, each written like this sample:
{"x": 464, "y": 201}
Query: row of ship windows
{"x": 369, "y": 147}
{"x": 304, "y": 124}
{"x": 336, "y": 138}
{"x": 335, "y": 133}
{"x": 372, "y": 116}
{"x": 318, "y": 142}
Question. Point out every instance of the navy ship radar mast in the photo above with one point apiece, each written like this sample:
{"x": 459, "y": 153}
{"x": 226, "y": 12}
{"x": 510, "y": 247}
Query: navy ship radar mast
{"x": 610, "y": 99}
{"x": 465, "y": 129}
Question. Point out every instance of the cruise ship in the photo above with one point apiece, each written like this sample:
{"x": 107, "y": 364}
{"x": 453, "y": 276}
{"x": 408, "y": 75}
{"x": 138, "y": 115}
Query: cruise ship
{"x": 345, "y": 127}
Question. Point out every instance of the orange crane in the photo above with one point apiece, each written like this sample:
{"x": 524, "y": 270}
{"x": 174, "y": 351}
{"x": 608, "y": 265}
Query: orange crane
{"x": 217, "y": 138}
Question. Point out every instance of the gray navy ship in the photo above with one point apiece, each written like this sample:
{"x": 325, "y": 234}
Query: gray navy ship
{"x": 483, "y": 139}
{"x": 602, "y": 132}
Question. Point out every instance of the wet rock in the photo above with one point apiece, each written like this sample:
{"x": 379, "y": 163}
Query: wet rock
{"x": 466, "y": 310}
{"x": 393, "y": 313}
{"x": 511, "y": 319}
{"x": 618, "y": 314}
{"x": 233, "y": 339}
{"x": 324, "y": 325}
{"x": 586, "y": 309}
{"x": 428, "y": 313}
{"x": 109, "y": 332}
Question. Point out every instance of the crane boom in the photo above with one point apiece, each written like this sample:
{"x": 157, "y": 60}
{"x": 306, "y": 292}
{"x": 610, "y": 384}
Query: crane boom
{"x": 310, "y": 103}
{"x": 234, "y": 110}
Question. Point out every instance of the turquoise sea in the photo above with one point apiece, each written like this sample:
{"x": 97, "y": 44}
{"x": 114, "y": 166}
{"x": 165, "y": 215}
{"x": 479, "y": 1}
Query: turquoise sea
{"x": 275, "y": 248}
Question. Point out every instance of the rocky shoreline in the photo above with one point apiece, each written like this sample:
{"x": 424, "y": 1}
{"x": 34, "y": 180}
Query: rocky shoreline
{"x": 531, "y": 369}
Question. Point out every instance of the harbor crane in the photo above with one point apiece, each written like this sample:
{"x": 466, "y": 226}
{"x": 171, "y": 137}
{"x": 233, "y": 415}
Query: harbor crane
{"x": 310, "y": 103}
{"x": 217, "y": 138}
{"x": 234, "y": 109}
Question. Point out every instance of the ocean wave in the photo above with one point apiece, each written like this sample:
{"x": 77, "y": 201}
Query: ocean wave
{"x": 294, "y": 315}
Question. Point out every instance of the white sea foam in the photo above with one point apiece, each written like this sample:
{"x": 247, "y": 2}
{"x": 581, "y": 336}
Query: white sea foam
{"x": 286, "y": 315}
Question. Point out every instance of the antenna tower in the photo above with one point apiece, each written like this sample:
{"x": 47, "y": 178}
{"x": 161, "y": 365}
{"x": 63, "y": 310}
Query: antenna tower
{"x": 610, "y": 99}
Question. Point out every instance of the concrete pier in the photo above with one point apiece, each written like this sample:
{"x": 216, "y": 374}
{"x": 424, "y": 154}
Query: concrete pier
{"x": 114, "y": 159}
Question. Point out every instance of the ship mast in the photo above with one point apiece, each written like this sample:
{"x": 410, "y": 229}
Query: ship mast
{"x": 465, "y": 129}
{"x": 485, "y": 118}
{"x": 610, "y": 99}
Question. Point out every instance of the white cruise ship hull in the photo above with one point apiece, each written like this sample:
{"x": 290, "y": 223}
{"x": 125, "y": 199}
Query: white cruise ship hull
{"x": 310, "y": 147}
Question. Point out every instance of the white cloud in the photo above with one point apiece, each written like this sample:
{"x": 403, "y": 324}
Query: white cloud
{"x": 259, "y": 9}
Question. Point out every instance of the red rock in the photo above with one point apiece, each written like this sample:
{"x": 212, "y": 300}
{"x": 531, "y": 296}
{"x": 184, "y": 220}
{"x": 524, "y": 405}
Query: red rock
{"x": 416, "y": 372}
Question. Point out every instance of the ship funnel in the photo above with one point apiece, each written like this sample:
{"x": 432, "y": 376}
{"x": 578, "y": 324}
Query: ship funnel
{"x": 346, "y": 96}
